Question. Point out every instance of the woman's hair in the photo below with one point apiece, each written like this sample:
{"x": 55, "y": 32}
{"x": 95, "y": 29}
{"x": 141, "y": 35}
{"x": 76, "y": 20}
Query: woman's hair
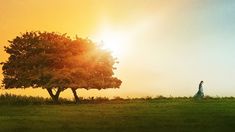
{"x": 201, "y": 82}
{"x": 200, "y": 85}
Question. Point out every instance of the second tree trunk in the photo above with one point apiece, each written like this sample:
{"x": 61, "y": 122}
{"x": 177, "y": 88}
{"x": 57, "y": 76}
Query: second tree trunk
{"x": 75, "y": 95}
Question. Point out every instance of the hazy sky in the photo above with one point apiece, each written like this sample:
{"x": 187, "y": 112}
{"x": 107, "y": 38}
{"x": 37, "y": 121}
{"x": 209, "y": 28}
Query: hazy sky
{"x": 165, "y": 47}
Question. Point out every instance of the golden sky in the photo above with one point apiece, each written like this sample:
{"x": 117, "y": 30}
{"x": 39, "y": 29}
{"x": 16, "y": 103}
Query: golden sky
{"x": 165, "y": 47}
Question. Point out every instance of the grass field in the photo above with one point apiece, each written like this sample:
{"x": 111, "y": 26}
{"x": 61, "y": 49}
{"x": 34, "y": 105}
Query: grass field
{"x": 149, "y": 115}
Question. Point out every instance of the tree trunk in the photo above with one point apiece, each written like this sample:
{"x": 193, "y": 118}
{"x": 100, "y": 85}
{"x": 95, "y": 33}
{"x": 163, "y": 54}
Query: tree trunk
{"x": 55, "y": 97}
{"x": 75, "y": 95}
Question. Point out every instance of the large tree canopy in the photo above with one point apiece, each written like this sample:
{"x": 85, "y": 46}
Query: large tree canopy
{"x": 54, "y": 61}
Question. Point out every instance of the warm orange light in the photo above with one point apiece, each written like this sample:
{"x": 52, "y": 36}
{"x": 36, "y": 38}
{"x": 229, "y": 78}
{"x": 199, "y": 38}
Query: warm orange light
{"x": 113, "y": 41}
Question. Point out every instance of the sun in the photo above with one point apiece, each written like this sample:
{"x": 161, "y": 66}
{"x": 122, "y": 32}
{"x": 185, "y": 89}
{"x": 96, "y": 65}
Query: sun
{"x": 113, "y": 41}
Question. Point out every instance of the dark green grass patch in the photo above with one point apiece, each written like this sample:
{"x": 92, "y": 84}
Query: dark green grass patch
{"x": 132, "y": 115}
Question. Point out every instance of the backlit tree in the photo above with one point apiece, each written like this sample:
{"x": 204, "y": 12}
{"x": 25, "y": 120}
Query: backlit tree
{"x": 55, "y": 62}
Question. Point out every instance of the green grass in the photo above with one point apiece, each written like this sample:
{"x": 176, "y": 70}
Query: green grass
{"x": 132, "y": 115}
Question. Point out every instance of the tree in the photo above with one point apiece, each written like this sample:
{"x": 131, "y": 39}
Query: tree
{"x": 55, "y": 62}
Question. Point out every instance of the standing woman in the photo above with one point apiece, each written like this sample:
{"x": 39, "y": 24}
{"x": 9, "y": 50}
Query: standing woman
{"x": 199, "y": 94}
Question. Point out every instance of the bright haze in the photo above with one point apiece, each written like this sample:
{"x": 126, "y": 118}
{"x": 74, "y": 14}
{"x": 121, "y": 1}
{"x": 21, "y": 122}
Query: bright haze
{"x": 165, "y": 47}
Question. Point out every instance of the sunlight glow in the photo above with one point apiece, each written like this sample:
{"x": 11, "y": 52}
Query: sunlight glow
{"x": 113, "y": 41}
{"x": 118, "y": 39}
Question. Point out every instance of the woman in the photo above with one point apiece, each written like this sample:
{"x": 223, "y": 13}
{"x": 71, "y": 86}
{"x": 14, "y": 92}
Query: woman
{"x": 200, "y": 93}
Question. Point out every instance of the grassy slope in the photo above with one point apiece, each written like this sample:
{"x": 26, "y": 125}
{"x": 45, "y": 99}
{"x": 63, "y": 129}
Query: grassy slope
{"x": 136, "y": 115}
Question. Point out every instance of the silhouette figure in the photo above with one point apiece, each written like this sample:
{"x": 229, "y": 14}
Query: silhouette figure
{"x": 199, "y": 94}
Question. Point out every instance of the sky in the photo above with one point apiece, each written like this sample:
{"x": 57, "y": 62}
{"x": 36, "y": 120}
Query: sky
{"x": 165, "y": 47}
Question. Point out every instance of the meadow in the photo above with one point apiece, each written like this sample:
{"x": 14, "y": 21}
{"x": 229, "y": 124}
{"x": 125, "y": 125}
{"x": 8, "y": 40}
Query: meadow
{"x": 19, "y": 113}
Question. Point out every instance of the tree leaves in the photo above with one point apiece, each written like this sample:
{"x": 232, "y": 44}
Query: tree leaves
{"x": 52, "y": 60}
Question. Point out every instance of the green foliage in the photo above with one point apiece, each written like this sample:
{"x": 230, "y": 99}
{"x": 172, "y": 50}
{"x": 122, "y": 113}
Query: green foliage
{"x": 54, "y": 61}
{"x": 11, "y": 99}
{"x": 51, "y": 60}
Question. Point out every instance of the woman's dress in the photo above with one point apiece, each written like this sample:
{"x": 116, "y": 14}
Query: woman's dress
{"x": 200, "y": 93}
